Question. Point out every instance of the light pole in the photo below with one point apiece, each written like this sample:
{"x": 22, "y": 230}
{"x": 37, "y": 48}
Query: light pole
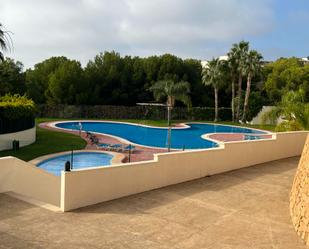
{"x": 71, "y": 156}
{"x": 169, "y": 131}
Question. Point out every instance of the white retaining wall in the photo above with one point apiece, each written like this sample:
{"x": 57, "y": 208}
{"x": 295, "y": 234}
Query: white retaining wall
{"x": 89, "y": 186}
{"x": 28, "y": 180}
{"x": 25, "y": 137}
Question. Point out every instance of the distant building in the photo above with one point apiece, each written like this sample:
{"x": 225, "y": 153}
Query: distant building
{"x": 259, "y": 118}
{"x": 225, "y": 58}
{"x": 221, "y": 58}
{"x": 204, "y": 64}
{"x": 266, "y": 62}
{"x": 305, "y": 60}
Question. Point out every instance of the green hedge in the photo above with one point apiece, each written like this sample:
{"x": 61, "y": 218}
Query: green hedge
{"x": 16, "y": 113}
{"x": 14, "y": 107}
{"x": 15, "y": 125}
{"x": 131, "y": 112}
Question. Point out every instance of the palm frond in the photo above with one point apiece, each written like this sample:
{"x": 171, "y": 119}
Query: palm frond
{"x": 212, "y": 75}
{"x": 185, "y": 99}
{"x": 171, "y": 91}
{"x": 181, "y": 87}
{"x": 5, "y": 41}
{"x": 253, "y": 63}
{"x": 159, "y": 89}
{"x": 293, "y": 109}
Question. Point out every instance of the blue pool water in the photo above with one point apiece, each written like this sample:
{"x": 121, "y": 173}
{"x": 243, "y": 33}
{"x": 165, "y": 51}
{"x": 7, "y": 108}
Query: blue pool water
{"x": 80, "y": 160}
{"x": 190, "y": 138}
{"x": 252, "y": 137}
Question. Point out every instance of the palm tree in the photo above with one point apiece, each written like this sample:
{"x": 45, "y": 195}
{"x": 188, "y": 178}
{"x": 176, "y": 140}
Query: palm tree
{"x": 4, "y": 41}
{"x": 171, "y": 91}
{"x": 212, "y": 75}
{"x": 253, "y": 65}
{"x": 239, "y": 52}
{"x": 293, "y": 110}
{"x": 232, "y": 66}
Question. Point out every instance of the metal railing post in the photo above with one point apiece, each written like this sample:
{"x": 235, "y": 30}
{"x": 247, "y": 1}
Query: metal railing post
{"x": 130, "y": 153}
{"x": 72, "y": 157}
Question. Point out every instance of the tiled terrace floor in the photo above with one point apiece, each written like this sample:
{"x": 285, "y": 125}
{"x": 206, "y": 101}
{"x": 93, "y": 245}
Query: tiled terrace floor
{"x": 242, "y": 209}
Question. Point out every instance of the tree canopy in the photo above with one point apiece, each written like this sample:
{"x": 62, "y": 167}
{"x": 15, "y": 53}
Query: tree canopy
{"x": 12, "y": 78}
{"x": 286, "y": 74}
{"x": 294, "y": 111}
{"x": 112, "y": 79}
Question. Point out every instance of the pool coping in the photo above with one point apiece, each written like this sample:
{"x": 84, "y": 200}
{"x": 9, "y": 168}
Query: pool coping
{"x": 117, "y": 157}
{"x": 120, "y": 139}
{"x": 53, "y": 124}
{"x": 207, "y": 136}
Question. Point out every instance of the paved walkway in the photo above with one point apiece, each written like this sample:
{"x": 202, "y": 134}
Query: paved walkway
{"x": 243, "y": 209}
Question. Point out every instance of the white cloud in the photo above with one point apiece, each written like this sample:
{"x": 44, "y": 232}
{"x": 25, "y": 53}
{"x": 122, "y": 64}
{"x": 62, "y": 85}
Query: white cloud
{"x": 82, "y": 28}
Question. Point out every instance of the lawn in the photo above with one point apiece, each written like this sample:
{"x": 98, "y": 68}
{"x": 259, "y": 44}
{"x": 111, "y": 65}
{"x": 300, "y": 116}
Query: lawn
{"x": 48, "y": 142}
{"x": 163, "y": 123}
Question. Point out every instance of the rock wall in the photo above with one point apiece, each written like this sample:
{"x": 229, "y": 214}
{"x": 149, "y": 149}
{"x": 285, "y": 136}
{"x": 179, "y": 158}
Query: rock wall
{"x": 299, "y": 199}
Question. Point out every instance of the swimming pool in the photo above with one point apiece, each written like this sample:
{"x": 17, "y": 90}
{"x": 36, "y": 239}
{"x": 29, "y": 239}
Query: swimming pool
{"x": 81, "y": 160}
{"x": 188, "y": 137}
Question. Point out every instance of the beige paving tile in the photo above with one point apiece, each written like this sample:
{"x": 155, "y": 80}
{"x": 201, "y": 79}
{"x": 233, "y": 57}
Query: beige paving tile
{"x": 243, "y": 209}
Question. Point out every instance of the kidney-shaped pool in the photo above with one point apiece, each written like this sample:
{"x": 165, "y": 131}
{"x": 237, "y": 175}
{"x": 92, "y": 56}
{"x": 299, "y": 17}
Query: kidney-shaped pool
{"x": 189, "y": 137}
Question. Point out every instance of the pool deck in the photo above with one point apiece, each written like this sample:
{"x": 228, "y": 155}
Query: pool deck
{"x": 241, "y": 209}
{"x": 231, "y": 137}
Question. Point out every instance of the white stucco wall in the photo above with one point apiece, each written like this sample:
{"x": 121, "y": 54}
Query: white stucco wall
{"x": 28, "y": 180}
{"x": 80, "y": 188}
{"x": 87, "y": 187}
{"x": 25, "y": 137}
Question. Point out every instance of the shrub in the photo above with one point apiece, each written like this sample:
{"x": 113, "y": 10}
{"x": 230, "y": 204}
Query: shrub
{"x": 14, "y": 107}
{"x": 131, "y": 112}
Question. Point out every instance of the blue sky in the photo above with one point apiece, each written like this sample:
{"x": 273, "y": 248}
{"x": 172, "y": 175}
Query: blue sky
{"x": 201, "y": 29}
{"x": 290, "y": 31}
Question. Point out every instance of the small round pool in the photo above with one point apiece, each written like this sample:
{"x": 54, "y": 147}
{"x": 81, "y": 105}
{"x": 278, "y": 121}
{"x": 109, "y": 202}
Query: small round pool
{"x": 81, "y": 160}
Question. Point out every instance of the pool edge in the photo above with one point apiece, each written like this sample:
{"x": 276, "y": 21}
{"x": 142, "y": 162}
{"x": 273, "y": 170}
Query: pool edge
{"x": 117, "y": 157}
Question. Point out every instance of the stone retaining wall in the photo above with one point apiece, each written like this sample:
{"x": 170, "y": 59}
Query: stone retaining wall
{"x": 299, "y": 199}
